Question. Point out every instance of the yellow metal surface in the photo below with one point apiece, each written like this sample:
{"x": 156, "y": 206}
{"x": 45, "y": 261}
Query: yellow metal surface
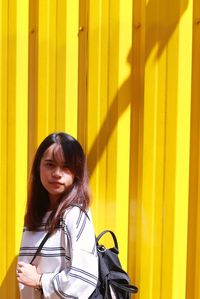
{"x": 122, "y": 77}
{"x": 3, "y": 137}
{"x": 166, "y": 142}
{"x": 193, "y": 261}
{"x": 14, "y": 103}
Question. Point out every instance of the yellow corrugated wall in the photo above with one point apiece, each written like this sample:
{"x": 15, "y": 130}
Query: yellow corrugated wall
{"x": 122, "y": 77}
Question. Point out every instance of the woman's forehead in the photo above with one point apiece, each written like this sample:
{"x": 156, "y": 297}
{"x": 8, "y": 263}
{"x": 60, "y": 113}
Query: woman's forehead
{"x": 55, "y": 153}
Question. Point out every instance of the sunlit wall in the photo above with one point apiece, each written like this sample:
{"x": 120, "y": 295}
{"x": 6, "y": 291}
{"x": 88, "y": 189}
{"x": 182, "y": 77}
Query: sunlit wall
{"x": 122, "y": 77}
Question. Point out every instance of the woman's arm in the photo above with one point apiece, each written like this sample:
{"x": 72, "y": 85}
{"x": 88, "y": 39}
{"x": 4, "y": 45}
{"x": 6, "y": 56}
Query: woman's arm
{"x": 80, "y": 278}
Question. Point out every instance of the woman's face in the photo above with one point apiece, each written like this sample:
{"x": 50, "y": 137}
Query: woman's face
{"x": 55, "y": 176}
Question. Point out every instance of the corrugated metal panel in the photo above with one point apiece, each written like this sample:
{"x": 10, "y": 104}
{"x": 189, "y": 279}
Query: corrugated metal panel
{"x": 114, "y": 74}
{"x": 13, "y": 135}
{"x": 53, "y": 68}
{"x": 163, "y": 146}
{"x": 193, "y": 263}
{"x": 109, "y": 113}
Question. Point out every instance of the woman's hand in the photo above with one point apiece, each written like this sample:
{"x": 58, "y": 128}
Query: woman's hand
{"x": 28, "y": 275}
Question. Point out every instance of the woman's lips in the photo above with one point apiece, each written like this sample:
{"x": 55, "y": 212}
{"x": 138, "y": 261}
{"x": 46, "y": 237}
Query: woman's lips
{"x": 56, "y": 184}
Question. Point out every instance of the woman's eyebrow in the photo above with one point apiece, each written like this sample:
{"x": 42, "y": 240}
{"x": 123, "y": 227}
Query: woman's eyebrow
{"x": 48, "y": 160}
{"x": 54, "y": 161}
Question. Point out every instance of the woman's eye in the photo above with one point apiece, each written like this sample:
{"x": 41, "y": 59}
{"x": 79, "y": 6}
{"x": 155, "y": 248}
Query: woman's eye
{"x": 66, "y": 168}
{"x": 49, "y": 164}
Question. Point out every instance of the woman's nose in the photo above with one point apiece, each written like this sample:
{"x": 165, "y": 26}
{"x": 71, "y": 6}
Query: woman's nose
{"x": 57, "y": 172}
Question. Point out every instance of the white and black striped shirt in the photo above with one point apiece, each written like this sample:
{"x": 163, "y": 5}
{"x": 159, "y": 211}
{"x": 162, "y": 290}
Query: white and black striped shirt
{"x": 68, "y": 259}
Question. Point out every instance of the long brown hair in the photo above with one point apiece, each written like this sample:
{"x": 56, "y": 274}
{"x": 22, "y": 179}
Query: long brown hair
{"x": 38, "y": 198}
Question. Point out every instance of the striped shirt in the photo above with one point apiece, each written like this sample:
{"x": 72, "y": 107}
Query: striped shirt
{"x": 68, "y": 259}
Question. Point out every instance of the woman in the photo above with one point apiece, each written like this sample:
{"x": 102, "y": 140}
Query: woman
{"x": 58, "y": 201}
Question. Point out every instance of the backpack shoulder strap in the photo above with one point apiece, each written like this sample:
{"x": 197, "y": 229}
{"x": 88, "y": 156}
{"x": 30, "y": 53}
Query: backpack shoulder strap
{"x": 40, "y": 246}
{"x": 113, "y": 236}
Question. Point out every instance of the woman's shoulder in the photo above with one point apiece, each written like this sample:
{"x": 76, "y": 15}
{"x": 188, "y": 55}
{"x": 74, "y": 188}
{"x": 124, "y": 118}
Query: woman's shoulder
{"x": 79, "y": 226}
{"x": 75, "y": 217}
{"x": 74, "y": 212}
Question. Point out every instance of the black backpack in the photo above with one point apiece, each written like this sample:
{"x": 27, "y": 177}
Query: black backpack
{"x": 113, "y": 281}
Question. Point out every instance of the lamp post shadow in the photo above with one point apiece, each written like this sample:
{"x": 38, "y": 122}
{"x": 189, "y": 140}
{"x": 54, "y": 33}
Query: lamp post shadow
{"x": 125, "y": 96}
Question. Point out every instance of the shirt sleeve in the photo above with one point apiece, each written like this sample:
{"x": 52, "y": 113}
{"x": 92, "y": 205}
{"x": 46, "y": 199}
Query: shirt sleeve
{"x": 80, "y": 279}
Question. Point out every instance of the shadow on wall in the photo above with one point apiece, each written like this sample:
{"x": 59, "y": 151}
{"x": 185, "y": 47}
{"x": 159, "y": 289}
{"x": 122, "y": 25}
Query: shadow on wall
{"x": 9, "y": 286}
{"x": 162, "y": 18}
{"x": 169, "y": 14}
